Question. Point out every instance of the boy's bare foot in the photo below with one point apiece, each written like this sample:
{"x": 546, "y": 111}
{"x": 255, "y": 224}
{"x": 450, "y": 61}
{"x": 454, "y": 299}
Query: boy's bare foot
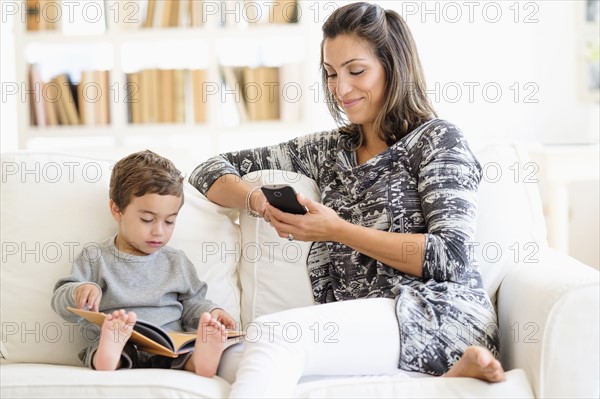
{"x": 477, "y": 362}
{"x": 209, "y": 346}
{"x": 114, "y": 333}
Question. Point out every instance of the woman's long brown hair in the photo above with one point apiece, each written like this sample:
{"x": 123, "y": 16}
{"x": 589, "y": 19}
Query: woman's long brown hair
{"x": 406, "y": 105}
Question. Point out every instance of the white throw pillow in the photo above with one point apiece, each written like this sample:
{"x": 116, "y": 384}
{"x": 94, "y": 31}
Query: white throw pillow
{"x": 273, "y": 272}
{"x": 510, "y": 220}
{"x": 52, "y": 205}
{"x": 210, "y": 236}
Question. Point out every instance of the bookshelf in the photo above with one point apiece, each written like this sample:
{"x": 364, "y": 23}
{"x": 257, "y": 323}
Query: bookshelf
{"x": 230, "y": 38}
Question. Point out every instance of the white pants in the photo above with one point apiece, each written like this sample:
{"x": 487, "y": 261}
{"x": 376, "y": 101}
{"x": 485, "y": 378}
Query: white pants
{"x": 339, "y": 338}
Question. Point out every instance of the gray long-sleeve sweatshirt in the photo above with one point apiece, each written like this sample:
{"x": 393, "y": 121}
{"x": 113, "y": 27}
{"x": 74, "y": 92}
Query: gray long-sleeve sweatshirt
{"x": 162, "y": 288}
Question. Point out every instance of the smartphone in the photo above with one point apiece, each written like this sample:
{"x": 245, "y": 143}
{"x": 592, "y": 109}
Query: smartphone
{"x": 283, "y": 197}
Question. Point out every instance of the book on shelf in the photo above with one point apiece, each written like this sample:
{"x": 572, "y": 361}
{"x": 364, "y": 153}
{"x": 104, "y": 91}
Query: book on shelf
{"x": 232, "y": 79}
{"x": 102, "y": 108}
{"x": 50, "y": 95}
{"x": 165, "y": 93}
{"x": 154, "y": 17}
{"x": 284, "y": 12}
{"x": 145, "y": 96}
{"x": 51, "y": 13}
{"x": 170, "y": 13}
{"x": 61, "y": 101}
{"x": 59, "y": 107}
{"x": 170, "y": 8}
{"x": 34, "y": 117}
{"x": 178, "y": 95}
{"x": 191, "y": 13}
{"x": 36, "y": 98}
{"x": 196, "y": 13}
{"x": 73, "y": 89}
{"x": 152, "y": 95}
{"x": 257, "y": 91}
{"x": 198, "y": 79}
{"x": 43, "y": 14}
{"x": 67, "y": 111}
{"x": 150, "y": 11}
{"x": 133, "y": 98}
{"x": 261, "y": 92}
{"x": 47, "y": 14}
{"x": 124, "y": 15}
{"x": 32, "y": 12}
{"x": 149, "y": 337}
{"x": 160, "y": 96}
{"x": 244, "y": 13}
{"x": 89, "y": 94}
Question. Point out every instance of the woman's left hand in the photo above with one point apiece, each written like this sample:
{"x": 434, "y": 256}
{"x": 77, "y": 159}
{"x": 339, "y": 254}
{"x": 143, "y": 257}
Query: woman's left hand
{"x": 320, "y": 223}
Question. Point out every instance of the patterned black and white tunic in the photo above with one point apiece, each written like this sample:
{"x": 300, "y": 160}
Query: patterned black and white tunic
{"x": 424, "y": 183}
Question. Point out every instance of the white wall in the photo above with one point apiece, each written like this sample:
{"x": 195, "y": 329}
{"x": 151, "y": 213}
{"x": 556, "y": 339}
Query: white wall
{"x": 8, "y": 103}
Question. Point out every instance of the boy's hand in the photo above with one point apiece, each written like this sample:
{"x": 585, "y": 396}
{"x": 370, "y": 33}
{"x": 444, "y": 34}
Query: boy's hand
{"x": 87, "y": 297}
{"x": 224, "y": 318}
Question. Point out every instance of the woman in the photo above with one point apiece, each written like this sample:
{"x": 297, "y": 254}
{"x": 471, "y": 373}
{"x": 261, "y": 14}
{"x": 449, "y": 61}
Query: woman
{"x": 392, "y": 234}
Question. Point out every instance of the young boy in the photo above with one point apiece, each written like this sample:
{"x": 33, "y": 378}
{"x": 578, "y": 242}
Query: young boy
{"x": 135, "y": 274}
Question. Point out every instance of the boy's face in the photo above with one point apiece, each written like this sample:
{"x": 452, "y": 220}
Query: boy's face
{"x": 146, "y": 224}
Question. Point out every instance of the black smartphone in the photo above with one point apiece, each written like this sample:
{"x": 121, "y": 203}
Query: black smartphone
{"x": 283, "y": 197}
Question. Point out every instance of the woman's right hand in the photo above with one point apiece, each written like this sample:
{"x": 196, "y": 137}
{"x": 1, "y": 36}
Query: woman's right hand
{"x": 320, "y": 223}
{"x": 87, "y": 297}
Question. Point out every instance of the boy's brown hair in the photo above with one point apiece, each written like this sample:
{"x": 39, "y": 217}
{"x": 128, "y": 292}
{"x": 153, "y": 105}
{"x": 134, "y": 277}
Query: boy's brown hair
{"x": 142, "y": 173}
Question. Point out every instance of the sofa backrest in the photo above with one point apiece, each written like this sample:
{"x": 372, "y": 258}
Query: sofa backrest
{"x": 510, "y": 220}
{"x": 52, "y": 206}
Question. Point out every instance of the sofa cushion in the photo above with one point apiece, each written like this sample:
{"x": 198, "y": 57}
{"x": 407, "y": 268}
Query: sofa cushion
{"x": 53, "y": 205}
{"x": 35, "y": 380}
{"x": 273, "y": 272}
{"x": 210, "y": 236}
{"x": 50, "y": 381}
{"x": 413, "y": 385}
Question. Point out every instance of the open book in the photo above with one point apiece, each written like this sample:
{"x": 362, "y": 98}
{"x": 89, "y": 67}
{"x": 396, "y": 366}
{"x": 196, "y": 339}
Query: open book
{"x": 151, "y": 338}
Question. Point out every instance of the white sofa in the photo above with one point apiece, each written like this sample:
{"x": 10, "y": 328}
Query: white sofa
{"x": 52, "y": 205}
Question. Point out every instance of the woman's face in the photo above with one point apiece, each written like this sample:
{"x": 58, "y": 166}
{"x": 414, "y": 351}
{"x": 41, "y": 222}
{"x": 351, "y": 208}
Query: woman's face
{"x": 356, "y": 78}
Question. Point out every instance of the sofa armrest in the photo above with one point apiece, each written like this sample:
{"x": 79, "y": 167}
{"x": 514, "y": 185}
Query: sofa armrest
{"x": 548, "y": 313}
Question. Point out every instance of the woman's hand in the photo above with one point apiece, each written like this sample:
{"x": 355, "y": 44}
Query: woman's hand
{"x": 320, "y": 223}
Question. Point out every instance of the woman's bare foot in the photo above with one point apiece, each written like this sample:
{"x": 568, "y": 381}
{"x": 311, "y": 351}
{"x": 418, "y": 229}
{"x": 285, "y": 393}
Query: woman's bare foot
{"x": 114, "y": 333}
{"x": 209, "y": 346}
{"x": 477, "y": 362}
